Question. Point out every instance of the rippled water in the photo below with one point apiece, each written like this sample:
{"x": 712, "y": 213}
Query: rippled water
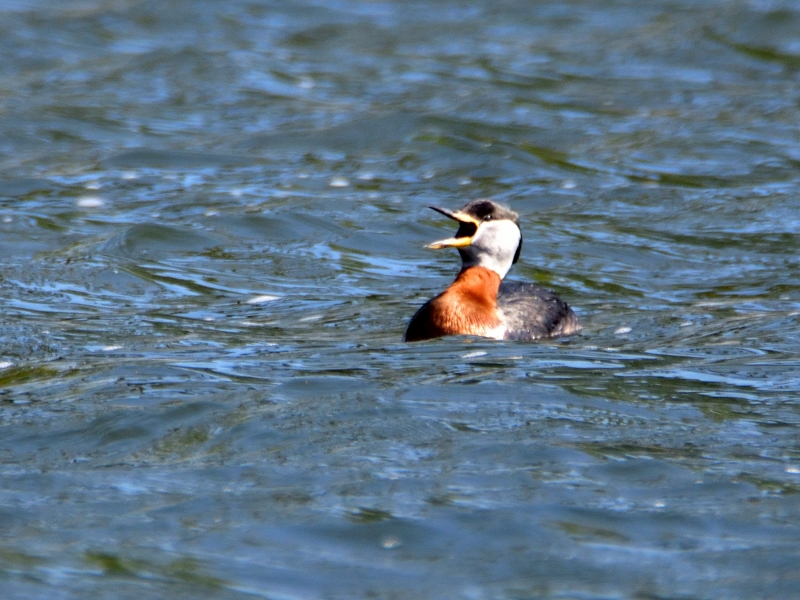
{"x": 212, "y": 220}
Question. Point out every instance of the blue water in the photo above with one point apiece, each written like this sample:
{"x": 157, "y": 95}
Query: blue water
{"x": 212, "y": 229}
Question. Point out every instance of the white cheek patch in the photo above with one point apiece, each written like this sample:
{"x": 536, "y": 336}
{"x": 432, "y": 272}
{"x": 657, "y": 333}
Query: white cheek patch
{"x": 503, "y": 234}
{"x": 494, "y": 246}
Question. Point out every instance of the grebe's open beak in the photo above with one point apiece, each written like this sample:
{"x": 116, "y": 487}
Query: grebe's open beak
{"x": 468, "y": 227}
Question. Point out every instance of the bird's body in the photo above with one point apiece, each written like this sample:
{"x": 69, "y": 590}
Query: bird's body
{"x": 478, "y": 302}
{"x": 532, "y": 313}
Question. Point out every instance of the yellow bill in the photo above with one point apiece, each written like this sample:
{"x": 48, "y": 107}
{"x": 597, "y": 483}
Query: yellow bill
{"x": 460, "y": 240}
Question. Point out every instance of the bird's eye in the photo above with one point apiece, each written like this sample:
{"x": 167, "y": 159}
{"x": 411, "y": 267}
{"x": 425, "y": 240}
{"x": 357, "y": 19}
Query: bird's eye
{"x": 488, "y": 218}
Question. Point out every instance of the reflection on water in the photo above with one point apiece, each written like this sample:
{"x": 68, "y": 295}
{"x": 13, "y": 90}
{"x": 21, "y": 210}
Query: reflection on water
{"x": 212, "y": 225}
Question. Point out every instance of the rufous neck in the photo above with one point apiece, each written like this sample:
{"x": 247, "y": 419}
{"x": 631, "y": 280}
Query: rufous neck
{"x": 480, "y": 283}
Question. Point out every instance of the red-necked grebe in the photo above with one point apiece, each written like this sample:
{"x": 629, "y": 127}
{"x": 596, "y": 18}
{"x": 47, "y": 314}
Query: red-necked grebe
{"x": 478, "y": 302}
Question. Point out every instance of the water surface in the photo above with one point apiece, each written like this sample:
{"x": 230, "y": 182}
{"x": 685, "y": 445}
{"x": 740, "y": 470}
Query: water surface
{"x": 212, "y": 224}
